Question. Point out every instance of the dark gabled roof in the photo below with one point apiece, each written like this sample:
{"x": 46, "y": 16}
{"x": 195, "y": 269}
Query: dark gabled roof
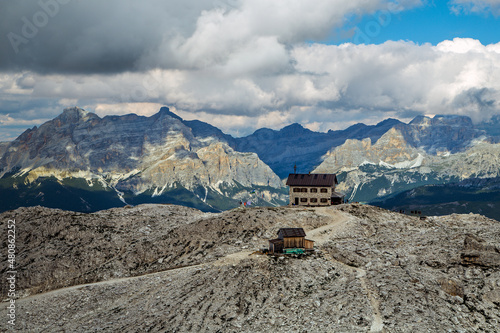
{"x": 314, "y": 179}
{"x": 292, "y": 232}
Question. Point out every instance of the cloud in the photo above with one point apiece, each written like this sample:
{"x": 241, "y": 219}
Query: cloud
{"x": 322, "y": 84}
{"x": 69, "y": 36}
{"x": 11, "y": 127}
{"x": 475, "y": 7}
{"x": 238, "y": 64}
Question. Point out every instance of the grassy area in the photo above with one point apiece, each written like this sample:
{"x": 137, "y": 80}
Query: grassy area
{"x": 77, "y": 194}
{"x": 446, "y": 199}
{"x": 49, "y": 192}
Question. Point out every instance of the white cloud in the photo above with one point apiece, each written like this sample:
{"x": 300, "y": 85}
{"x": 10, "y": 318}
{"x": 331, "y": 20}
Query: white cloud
{"x": 238, "y": 38}
{"x": 475, "y": 6}
{"x": 324, "y": 84}
{"x": 245, "y": 64}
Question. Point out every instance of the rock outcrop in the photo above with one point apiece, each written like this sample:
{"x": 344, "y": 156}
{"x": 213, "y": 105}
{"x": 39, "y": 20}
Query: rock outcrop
{"x": 371, "y": 171}
{"x": 135, "y": 154}
{"x": 373, "y": 271}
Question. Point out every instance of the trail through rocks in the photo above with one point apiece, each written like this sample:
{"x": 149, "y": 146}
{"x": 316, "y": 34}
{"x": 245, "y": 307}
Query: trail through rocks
{"x": 324, "y": 234}
{"x": 374, "y": 271}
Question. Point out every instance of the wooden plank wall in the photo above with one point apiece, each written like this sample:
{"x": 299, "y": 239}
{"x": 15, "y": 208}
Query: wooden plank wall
{"x": 292, "y": 242}
{"x": 308, "y": 244}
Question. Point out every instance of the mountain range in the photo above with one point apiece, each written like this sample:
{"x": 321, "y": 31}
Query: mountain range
{"x": 83, "y": 162}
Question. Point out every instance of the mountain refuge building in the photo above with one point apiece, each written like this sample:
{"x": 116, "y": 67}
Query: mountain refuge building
{"x": 316, "y": 189}
{"x": 289, "y": 240}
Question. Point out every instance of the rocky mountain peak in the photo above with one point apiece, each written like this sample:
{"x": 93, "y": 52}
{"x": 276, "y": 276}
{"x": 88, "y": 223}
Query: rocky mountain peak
{"x": 294, "y": 129}
{"x": 441, "y": 133}
{"x": 164, "y": 111}
{"x": 74, "y": 115}
{"x": 388, "y": 122}
{"x": 442, "y": 120}
{"x": 391, "y": 148}
{"x": 421, "y": 121}
{"x": 393, "y": 138}
{"x": 452, "y": 120}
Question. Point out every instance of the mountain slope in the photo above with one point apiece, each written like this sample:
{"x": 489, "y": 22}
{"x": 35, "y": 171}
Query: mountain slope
{"x": 373, "y": 271}
{"x": 391, "y": 165}
{"x": 449, "y": 133}
{"x": 164, "y": 158}
{"x": 472, "y": 195}
{"x": 294, "y": 144}
{"x": 139, "y": 156}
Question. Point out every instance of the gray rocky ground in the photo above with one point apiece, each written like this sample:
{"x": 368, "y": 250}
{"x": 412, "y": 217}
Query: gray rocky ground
{"x": 163, "y": 268}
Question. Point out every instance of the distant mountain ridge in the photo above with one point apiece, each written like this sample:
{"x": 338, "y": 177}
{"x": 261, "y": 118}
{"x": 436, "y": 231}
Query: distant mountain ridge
{"x": 481, "y": 196}
{"x": 134, "y": 155}
{"x": 163, "y": 158}
{"x": 376, "y": 172}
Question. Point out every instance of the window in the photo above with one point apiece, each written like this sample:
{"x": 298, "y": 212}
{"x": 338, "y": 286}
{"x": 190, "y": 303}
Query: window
{"x": 314, "y": 190}
{"x": 324, "y": 190}
{"x": 313, "y": 200}
{"x": 296, "y": 189}
{"x": 324, "y": 200}
{"x": 303, "y": 190}
{"x": 303, "y": 199}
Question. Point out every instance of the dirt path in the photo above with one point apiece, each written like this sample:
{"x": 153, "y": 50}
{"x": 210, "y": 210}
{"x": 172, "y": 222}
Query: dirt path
{"x": 323, "y": 234}
{"x": 320, "y": 235}
{"x": 339, "y": 221}
{"x": 377, "y": 324}
{"x": 230, "y": 259}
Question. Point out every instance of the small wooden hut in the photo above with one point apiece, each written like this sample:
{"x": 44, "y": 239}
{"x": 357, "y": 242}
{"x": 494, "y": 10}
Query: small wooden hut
{"x": 290, "y": 238}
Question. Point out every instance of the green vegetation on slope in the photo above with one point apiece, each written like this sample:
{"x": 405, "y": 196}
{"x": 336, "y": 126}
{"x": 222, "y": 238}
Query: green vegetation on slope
{"x": 77, "y": 194}
{"x": 482, "y": 197}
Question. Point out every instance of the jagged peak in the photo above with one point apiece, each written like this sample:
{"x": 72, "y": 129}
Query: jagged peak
{"x": 448, "y": 120}
{"x": 388, "y": 122}
{"x": 392, "y": 136}
{"x": 165, "y": 111}
{"x": 452, "y": 120}
{"x": 74, "y": 115}
{"x": 420, "y": 120}
{"x": 294, "y": 128}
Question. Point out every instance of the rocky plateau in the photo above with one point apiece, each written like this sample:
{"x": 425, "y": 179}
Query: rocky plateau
{"x": 166, "y": 268}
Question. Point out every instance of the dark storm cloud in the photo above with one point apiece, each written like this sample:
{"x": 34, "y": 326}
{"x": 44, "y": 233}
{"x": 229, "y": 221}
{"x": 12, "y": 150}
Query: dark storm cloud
{"x": 240, "y": 64}
{"x": 88, "y": 36}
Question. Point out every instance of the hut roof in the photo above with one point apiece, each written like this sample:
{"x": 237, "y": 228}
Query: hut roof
{"x": 315, "y": 179}
{"x": 292, "y": 232}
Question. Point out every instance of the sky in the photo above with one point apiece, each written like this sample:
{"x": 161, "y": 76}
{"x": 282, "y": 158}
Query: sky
{"x": 242, "y": 65}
